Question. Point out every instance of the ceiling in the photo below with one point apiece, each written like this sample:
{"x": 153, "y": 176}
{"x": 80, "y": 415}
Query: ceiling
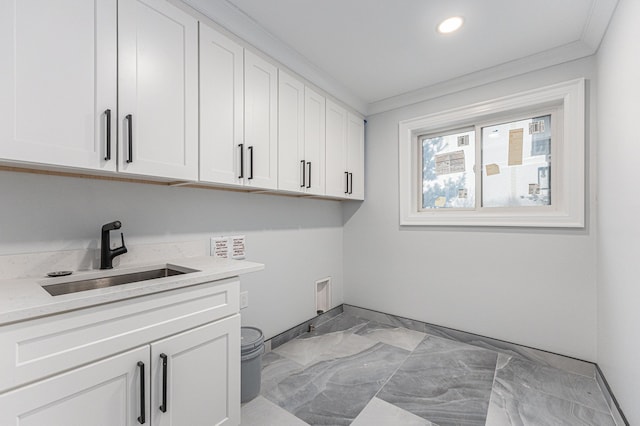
{"x": 378, "y": 52}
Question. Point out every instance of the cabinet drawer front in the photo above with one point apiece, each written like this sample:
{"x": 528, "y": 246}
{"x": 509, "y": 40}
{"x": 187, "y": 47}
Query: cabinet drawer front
{"x": 49, "y": 345}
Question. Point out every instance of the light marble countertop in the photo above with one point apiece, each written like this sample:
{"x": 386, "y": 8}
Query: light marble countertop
{"x": 24, "y": 298}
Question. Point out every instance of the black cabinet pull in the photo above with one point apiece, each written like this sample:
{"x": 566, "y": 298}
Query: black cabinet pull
{"x": 142, "y": 418}
{"x": 346, "y": 176}
{"x": 250, "y": 162}
{"x": 241, "y": 146}
{"x": 163, "y": 407}
{"x": 304, "y": 179}
{"x": 350, "y": 183}
{"x": 107, "y": 113}
{"x": 309, "y": 164}
{"x": 129, "y": 119}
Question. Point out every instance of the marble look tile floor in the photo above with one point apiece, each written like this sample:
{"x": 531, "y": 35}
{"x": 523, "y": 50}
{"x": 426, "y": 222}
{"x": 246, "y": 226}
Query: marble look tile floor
{"x": 354, "y": 371}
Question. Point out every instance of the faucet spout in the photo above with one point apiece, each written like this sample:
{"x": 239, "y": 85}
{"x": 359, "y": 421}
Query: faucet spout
{"x": 106, "y": 253}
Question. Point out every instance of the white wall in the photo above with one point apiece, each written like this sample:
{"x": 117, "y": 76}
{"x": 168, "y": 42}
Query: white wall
{"x": 299, "y": 240}
{"x": 619, "y": 207}
{"x": 534, "y": 287}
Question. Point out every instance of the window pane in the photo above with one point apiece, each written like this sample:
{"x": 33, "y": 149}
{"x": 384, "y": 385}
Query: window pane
{"x": 516, "y": 163}
{"x": 448, "y": 180}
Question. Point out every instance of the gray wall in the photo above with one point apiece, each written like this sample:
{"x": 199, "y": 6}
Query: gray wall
{"x": 299, "y": 240}
{"x": 619, "y": 207}
{"x": 534, "y": 287}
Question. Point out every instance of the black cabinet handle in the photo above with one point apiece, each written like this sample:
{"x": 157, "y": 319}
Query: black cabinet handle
{"x": 346, "y": 176}
{"x": 129, "y": 119}
{"x": 304, "y": 179}
{"x": 107, "y": 113}
{"x": 163, "y": 407}
{"x": 142, "y": 419}
{"x": 241, "y": 146}
{"x": 350, "y": 183}
{"x": 250, "y": 162}
{"x": 309, "y": 164}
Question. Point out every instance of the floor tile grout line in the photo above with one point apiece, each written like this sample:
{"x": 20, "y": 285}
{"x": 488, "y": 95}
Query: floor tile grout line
{"x": 607, "y": 402}
{"x": 565, "y": 399}
{"x": 493, "y": 383}
{"x": 396, "y": 370}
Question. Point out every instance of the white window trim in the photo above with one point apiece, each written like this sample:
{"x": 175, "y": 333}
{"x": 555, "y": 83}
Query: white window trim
{"x": 567, "y": 210}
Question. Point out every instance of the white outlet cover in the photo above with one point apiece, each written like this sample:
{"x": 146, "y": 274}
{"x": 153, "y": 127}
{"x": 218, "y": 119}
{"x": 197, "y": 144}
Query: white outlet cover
{"x": 244, "y": 299}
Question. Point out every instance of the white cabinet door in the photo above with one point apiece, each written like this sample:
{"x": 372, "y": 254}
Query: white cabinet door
{"x": 158, "y": 90}
{"x": 58, "y": 77}
{"x": 221, "y": 107}
{"x": 355, "y": 156}
{"x": 104, "y": 393}
{"x": 291, "y": 161}
{"x": 337, "y": 178}
{"x": 314, "y": 141}
{"x": 201, "y": 376}
{"x": 260, "y": 123}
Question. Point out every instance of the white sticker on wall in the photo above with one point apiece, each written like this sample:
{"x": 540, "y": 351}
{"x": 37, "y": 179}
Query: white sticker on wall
{"x": 220, "y": 247}
{"x": 237, "y": 247}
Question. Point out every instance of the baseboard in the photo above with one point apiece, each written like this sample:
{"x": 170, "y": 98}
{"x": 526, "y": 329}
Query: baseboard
{"x": 616, "y": 411}
{"x": 303, "y": 327}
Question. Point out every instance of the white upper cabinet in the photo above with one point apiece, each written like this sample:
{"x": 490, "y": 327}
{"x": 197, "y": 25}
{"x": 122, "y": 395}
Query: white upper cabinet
{"x": 58, "y": 80}
{"x": 345, "y": 153}
{"x": 291, "y": 162}
{"x": 221, "y": 107}
{"x": 314, "y": 141}
{"x": 355, "y": 156}
{"x": 158, "y": 90}
{"x": 337, "y": 177}
{"x": 259, "y": 153}
{"x": 301, "y": 132}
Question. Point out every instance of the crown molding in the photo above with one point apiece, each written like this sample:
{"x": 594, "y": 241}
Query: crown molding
{"x": 234, "y": 20}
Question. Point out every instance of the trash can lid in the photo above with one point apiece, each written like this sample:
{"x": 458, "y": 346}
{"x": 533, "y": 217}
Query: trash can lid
{"x": 250, "y": 339}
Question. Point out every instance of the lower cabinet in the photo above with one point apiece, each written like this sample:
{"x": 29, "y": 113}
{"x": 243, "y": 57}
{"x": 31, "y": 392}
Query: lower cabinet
{"x": 194, "y": 376}
{"x": 105, "y": 393}
{"x": 191, "y": 378}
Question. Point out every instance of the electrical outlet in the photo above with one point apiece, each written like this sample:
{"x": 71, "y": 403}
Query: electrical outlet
{"x": 244, "y": 299}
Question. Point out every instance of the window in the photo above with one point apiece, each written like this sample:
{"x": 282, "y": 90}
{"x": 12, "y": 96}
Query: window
{"x": 514, "y": 161}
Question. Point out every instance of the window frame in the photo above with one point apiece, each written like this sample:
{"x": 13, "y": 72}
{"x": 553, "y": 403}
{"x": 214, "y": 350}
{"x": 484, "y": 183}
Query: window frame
{"x": 566, "y": 100}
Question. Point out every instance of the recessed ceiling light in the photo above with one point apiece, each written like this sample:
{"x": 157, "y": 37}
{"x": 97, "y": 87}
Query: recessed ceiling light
{"x": 450, "y": 25}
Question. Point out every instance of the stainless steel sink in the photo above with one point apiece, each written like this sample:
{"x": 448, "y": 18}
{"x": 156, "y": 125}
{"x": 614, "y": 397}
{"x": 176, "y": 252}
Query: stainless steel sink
{"x": 110, "y": 281}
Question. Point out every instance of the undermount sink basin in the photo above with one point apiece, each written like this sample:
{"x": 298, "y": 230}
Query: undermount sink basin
{"x": 113, "y": 280}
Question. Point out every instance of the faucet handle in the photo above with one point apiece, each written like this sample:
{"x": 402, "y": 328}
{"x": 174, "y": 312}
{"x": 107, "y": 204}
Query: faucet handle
{"x": 122, "y": 246}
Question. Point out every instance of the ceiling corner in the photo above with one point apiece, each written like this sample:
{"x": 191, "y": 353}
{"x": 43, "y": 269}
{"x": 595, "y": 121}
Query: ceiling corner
{"x": 230, "y": 17}
{"x": 599, "y": 17}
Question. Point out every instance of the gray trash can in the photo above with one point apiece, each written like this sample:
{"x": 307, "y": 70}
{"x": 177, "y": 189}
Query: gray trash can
{"x": 252, "y": 348}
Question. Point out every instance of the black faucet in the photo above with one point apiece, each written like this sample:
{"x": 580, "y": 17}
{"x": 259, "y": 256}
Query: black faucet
{"x": 106, "y": 254}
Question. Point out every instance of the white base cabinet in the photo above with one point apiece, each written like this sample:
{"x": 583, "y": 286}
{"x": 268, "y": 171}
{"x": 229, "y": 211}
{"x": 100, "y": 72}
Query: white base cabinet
{"x": 194, "y": 376}
{"x": 171, "y": 358}
{"x": 105, "y": 393}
